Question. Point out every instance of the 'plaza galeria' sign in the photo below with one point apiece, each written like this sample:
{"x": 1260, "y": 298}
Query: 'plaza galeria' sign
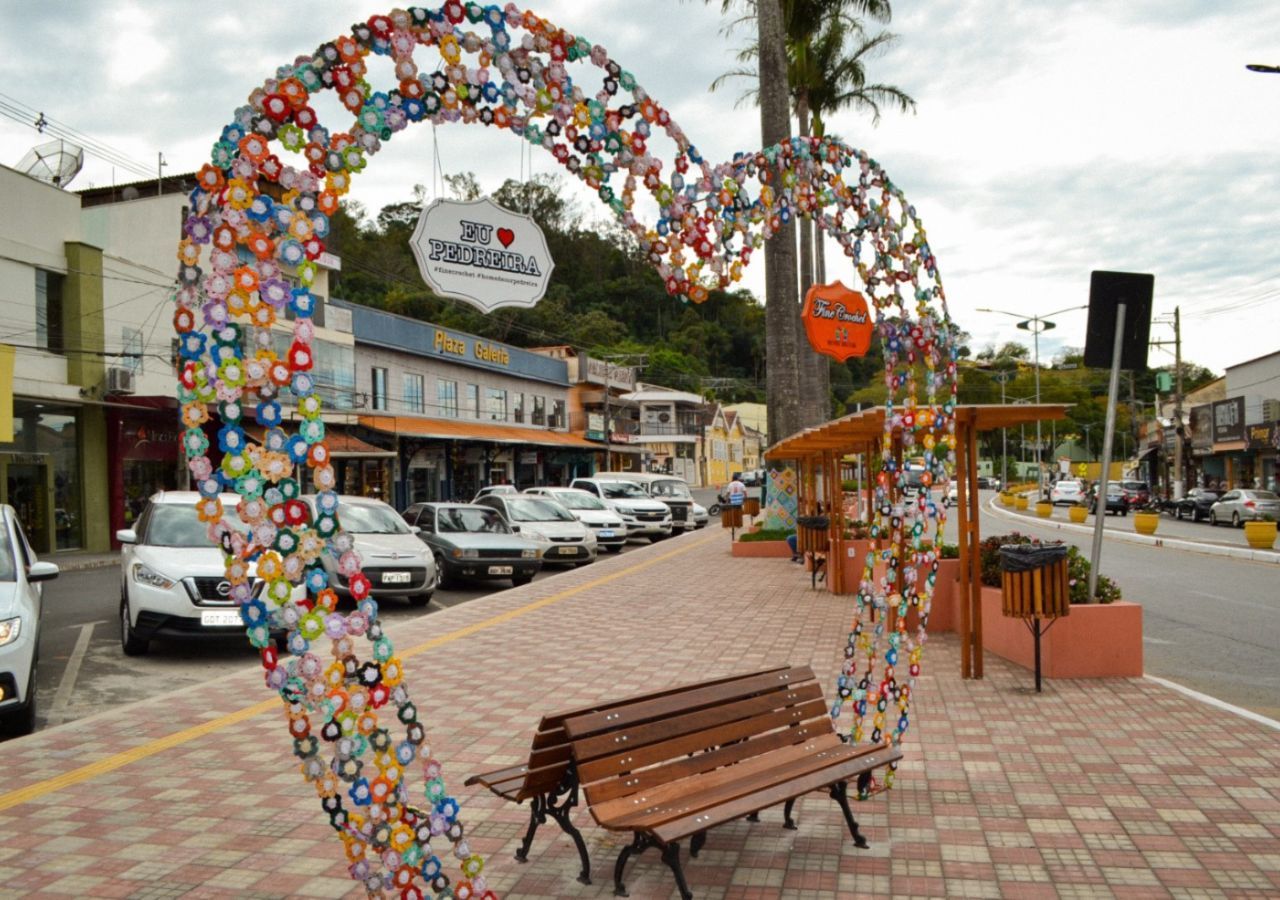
{"x": 482, "y": 253}
{"x": 836, "y": 321}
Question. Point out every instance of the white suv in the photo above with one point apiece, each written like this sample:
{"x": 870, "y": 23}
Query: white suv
{"x": 20, "y": 608}
{"x": 643, "y": 516}
{"x": 172, "y": 580}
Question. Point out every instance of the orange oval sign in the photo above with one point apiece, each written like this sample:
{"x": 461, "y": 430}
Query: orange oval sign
{"x": 836, "y": 321}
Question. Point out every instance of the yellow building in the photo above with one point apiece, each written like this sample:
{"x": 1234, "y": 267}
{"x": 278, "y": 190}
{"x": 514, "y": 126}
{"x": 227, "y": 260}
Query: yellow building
{"x": 723, "y": 447}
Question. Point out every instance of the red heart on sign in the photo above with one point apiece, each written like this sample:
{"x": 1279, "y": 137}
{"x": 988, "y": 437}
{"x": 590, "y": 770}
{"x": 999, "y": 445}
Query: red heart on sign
{"x": 506, "y": 235}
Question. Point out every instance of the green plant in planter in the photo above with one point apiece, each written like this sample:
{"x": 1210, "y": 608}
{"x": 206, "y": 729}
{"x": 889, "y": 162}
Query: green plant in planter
{"x": 1077, "y": 568}
{"x": 949, "y": 551}
{"x": 857, "y": 530}
{"x": 766, "y": 534}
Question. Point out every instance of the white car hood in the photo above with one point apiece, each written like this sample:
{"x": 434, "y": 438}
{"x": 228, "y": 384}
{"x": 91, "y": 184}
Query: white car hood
{"x": 640, "y": 505}
{"x": 597, "y": 517}
{"x": 573, "y": 529}
{"x": 377, "y": 549}
{"x": 181, "y": 562}
{"x": 9, "y": 605}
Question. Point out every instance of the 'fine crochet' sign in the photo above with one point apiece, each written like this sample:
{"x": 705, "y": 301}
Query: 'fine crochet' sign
{"x": 836, "y": 321}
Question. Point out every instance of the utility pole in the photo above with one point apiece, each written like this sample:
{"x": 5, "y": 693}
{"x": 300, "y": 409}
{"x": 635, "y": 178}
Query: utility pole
{"x": 608, "y": 435}
{"x": 1179, "y": 484}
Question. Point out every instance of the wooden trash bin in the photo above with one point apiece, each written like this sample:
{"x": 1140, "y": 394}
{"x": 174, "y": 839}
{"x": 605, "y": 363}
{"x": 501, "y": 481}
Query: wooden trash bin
{"x": 731, "y": 517}
{"x": 751, "y": 506}
{"x": 1034, "y": 587}
{"x": 813, "y": 540}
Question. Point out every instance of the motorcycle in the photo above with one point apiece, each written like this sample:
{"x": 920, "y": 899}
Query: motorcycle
{"x": 722, "y": 500}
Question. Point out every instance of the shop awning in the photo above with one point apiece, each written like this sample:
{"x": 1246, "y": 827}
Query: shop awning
{"x": 341, "y": 444}
{"x": 472, "y": 430}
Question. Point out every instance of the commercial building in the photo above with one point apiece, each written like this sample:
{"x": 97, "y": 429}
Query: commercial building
{"x": 454, "y": 412}
{"x": 667, "y": 426}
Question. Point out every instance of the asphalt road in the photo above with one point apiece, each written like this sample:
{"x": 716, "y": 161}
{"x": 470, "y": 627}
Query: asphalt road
{"x": 83, "y": 670}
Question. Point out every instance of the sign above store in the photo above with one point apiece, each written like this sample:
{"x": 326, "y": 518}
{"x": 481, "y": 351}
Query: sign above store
{"x": 836, "y": 321}
{"x": 482, "y": 253}
{"x": 1228, "y": 420}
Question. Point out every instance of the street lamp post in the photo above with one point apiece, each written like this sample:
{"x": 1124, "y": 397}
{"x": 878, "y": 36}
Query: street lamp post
{"x": 1036, "y": 325}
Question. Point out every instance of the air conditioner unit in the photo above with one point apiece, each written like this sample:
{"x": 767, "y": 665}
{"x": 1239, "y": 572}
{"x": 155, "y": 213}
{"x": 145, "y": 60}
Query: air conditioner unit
{"x": 1270, "y": 410}
{"x": 120, "y": 381}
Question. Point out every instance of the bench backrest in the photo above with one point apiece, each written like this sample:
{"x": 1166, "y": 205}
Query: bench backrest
{"x": 634, "y": 746}
{"x": 552, "y": 749}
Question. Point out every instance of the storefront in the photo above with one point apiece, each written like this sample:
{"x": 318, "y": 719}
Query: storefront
{"x": 1263, "y": 443}
{"x": 144, "y": 452}
{"x": 41, "y": 475}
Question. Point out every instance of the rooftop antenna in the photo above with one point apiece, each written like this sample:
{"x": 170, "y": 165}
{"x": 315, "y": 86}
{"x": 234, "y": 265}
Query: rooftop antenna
{"x": 55, "y": 163}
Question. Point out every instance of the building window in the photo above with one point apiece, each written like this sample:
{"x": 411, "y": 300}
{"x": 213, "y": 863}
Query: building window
{"x": 379, "y": 387}
{"x": 517, "y": 409}
{"x": 539, "y": 411}
{"x": 131, "y": 342}
{"x": 413, "y": 393}
{"x": 49, "y": 311}
{"x": 472, "y": 408}
{"x": 557, "y": 414}
{"x": 719, "y": 449}
{"x": 447, "y": 397}
{"x": 497, "y": 405}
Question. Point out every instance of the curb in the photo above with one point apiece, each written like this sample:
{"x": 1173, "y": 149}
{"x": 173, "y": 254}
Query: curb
{"x": 1262, "y": 556}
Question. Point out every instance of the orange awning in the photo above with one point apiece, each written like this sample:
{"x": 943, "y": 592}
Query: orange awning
{"x": 472, "y": 430}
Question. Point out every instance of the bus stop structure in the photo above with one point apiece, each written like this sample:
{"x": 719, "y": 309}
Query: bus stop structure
{"x": 823, "y": 453}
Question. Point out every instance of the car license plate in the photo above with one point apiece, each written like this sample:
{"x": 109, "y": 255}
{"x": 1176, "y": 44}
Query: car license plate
{"x": 604, "y": 533}
{"x": 567, "y": 551}
{"x": 499, "y": 570}
{"x": 217, "y": 618}
{"x": 395, "y": 577}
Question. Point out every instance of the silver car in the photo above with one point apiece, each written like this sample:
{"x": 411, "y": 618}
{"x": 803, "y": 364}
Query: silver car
{"x": 1244, "y": 506}
{"x": 542, "y": 519}
{"x": 590, "y": 510}
{"x": 392, "y": 555}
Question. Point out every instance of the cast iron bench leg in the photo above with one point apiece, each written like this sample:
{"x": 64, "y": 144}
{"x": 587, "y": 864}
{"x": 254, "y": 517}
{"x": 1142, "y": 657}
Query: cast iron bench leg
{"x": 696, "y": 842}
{"x": 638, "y": 845}
{"x": 754, "y": 817}
{"x": 788, "y": 822}
{"x": 840, "y": 793}
{"x": 537, "y": 816}
{"x": 561, "y": 815}
{"x": 671, "y": 856}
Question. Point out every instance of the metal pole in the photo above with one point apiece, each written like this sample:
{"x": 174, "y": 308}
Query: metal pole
{"x": 608, "y": 437}
{"x": 1100, "y": 508}
{"x": 1004, "y": 447}
{"x": 1178, "y": 481}
{"x": 1039, "y": 460}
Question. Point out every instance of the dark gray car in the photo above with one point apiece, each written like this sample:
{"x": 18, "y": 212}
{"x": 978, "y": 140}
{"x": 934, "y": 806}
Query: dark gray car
{"x": 470, "y": 541}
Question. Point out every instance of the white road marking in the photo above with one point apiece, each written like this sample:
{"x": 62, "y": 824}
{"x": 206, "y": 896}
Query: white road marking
{"x": 1214, "y": 701}
{"x": 62, "y": 699}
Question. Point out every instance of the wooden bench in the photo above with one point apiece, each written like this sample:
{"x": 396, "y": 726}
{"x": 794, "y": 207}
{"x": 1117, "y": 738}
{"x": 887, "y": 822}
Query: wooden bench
{"x": 671, "y": 766}
{"x": 548, "y": 779}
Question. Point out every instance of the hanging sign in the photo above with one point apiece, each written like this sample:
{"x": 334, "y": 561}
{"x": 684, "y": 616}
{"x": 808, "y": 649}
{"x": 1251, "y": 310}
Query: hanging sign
{"x": 482, "y": 253}
{"x": 836, "y": 321}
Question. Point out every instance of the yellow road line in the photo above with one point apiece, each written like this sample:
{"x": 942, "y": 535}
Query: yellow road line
{"x": 186, "y": 735}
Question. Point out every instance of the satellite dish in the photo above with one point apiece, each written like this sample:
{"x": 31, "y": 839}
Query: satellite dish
{"x": 56, "y": 162}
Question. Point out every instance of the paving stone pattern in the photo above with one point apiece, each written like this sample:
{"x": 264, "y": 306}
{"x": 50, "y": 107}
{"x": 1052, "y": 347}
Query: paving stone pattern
{"x": 1104, "y": 788}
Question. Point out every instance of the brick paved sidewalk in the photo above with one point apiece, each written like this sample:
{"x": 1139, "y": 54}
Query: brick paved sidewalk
{"x": 1111, "y": 788}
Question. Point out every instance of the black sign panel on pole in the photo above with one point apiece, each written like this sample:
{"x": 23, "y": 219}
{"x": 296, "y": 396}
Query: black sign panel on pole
{"x": 1107, "y": 290}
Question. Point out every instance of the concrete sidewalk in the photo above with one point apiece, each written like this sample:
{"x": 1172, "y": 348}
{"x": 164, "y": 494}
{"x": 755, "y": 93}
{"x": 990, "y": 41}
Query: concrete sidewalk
{"x": 1111, "y": 788}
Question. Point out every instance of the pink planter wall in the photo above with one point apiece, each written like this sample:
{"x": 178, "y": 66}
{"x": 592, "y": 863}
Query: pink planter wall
{"x": 762, "y": 548}
{"x": 944, "y": 611}
{"x": 1095, "y": 641}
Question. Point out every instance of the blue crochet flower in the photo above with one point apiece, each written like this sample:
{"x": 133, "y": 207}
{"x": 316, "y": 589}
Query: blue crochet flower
{"x": 268, "y": 413}
{"x": 297, "y": 448}
{"x": 231, "y": 439}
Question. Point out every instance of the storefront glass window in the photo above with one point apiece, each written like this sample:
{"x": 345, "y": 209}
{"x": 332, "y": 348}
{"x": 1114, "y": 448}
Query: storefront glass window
{"x": 557, "y": 414}
{"x": 447, "y": 398}
{"x": 41, "y": 469}
{"x": 497, "y": 405}
{"x": 49, "y": 310}
{"x": 539, "y": 411}
{"x": 413, "y": 399}
{"x": 472, "y": 407}
{"x": 517, "y": 409}
{"x": 379, "y": 387}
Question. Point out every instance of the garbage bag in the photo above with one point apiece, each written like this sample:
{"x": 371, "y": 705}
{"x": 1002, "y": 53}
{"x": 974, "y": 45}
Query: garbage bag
{"x": 1029, "y": 557}
{"x": 820, "y": 522}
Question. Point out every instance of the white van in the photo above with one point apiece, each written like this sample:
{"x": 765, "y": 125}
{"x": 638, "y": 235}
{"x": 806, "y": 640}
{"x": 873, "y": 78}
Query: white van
{"x": 668, "y": 489}
{"x": 644, "y": 517}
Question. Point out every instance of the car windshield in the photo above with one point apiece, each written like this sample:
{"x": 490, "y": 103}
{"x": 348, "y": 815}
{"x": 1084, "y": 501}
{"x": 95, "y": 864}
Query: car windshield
{"x": 470, "y": 519}
{"x": 1068, "y": 485}
{"x": 1264, "y": 495}
{"x": 8, "y": 570}
{"x": 176, "y": 525}
{"x": 576, "y": 500}
{"x": 1135, "y": 485}
{"x": 672, "y": 488}
{"x": 527, "y": 509}
{"x": 360, "y": 518}
{"x": 621, "y": 490}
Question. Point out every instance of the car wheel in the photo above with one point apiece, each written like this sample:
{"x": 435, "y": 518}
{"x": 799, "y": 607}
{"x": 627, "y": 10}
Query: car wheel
{"x": 1177, "y": 513}
{"x": 23, "y": 720}
{"x": 130, "y": 642}
{"x": 420, "y": 600}
{"x": 1213, "y": 519}
{"x": 443, "y": 579}
{"x": 1235, "y": 520}
{"x": 521, "y": 580}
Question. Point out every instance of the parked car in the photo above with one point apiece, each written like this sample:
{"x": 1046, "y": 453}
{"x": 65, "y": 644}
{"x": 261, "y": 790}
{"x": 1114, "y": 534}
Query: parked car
{"x": 1067, "y": 492}
{"x": 21, "y": 604}
{"x": 700, "y": 515}
{"x": 590, "y": 510}
{"x": 474, "y": 541}
{"x": 1195, "y": 504}
{"x": 173, "y": 582}
{"x": 1115, "y": 501}
{"x": 564, "y": 538}
{"x": 643, "y": 516}
{"x": 952, "y": 496}
{"x": 1136, "y": 493}
{"x": 1243, "y": 506}
{"x": 392, "y": 557}
{"x": 672, "y": 491}
{"x": 495, "y": 489}
{"x": 988, "y": 484}
{"x": 753, "y": 478}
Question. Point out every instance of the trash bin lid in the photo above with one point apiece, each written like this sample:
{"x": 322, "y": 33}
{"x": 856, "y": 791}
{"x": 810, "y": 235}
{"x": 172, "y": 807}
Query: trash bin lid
{"x": 1029, "y": 557}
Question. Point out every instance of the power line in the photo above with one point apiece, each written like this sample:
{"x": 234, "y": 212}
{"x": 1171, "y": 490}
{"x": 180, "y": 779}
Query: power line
{"x": 20, "y": 112}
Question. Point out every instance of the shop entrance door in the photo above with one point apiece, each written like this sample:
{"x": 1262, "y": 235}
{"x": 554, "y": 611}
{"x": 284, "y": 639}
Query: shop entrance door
{"x": 27, "y": 491}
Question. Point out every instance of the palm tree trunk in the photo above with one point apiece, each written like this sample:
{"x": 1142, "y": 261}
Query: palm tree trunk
{"x": 815, "y": 379}
{"x": 782, "y": 382}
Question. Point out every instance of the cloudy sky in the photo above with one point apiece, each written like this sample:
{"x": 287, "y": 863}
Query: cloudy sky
{"x": 1051, "y": 138}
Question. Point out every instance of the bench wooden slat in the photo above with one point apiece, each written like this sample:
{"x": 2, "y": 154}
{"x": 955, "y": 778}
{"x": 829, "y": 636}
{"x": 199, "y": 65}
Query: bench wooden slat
{"x": 691, "y": 698}
{"x": 609, "y": 788}
{"x": 623, "y": 812}
{"x": 665, "y": 729}
{"x": 489, "y": 779}
{"x": 810, "y": 714}
{"x": 680, "y": 828}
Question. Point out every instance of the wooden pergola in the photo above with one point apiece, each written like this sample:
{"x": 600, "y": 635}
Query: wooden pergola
{"x": 824, "y": 449}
